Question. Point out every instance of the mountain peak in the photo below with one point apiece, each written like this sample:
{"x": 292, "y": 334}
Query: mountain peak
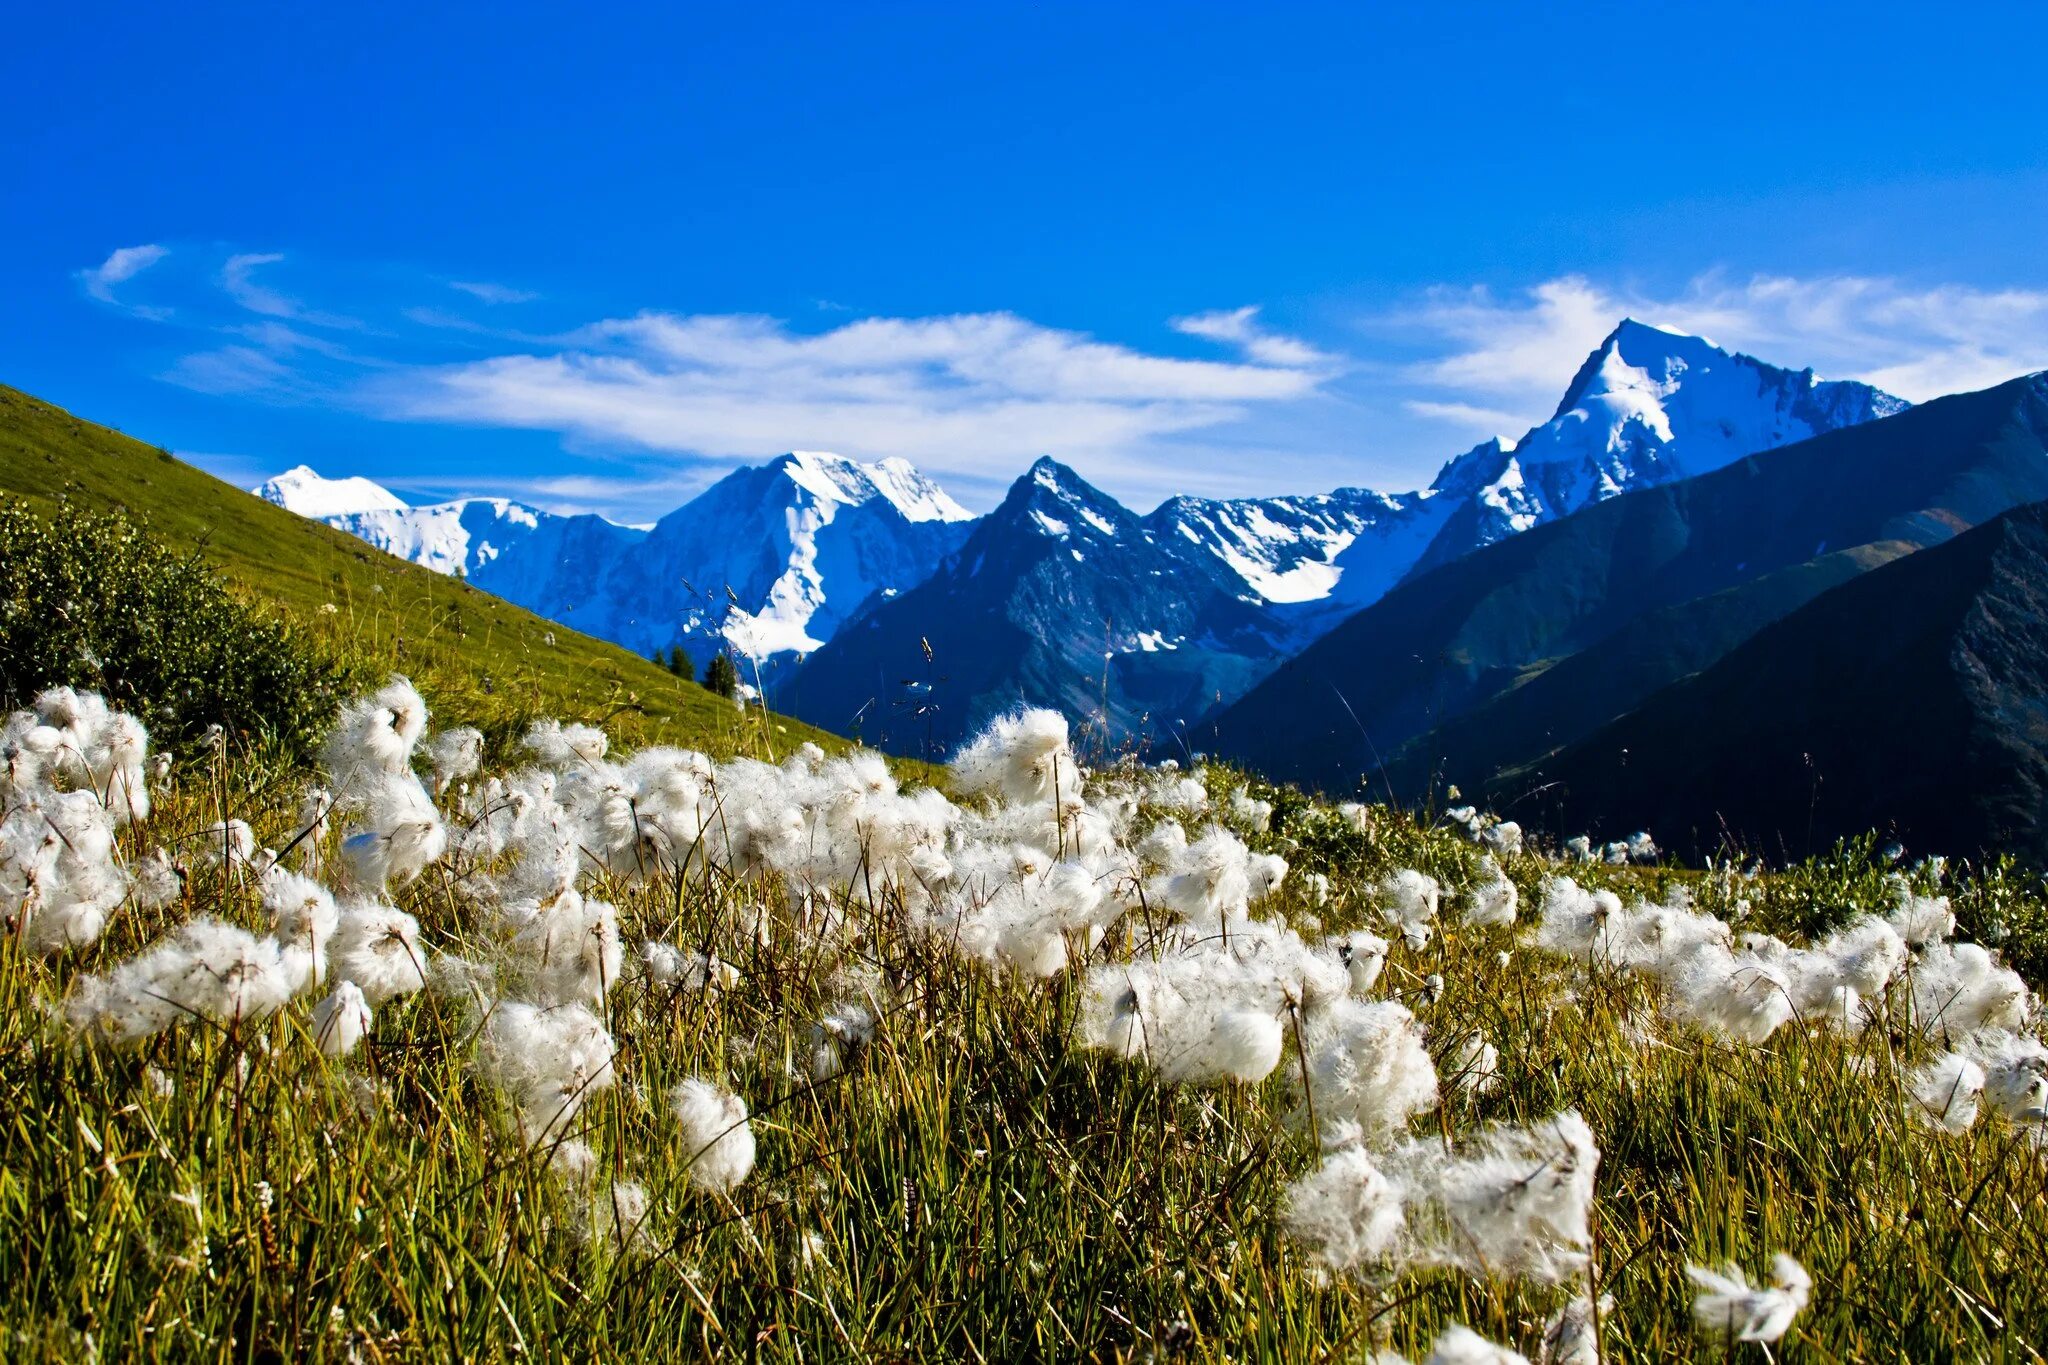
{"x": 1056, "y": 502}
{"x": 301, "y": 489}
{"x": 1636, "y": 348}
{"x": 835, "y": 478}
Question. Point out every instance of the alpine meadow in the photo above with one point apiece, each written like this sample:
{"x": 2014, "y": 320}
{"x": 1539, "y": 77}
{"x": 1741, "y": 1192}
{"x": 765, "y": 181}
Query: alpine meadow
{"x": 1024, "y": 683}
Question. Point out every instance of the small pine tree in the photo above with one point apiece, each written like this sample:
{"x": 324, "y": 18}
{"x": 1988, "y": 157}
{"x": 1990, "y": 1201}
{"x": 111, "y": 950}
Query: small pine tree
{"x": 678, "y": 662}
{"x": 721, "y": 677}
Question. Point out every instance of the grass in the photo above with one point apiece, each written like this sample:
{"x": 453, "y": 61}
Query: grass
{"x": 497, "y": 664}
{"x": 976, "y": 1187}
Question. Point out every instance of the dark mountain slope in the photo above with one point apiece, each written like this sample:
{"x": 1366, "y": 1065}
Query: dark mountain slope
{"x": 1559, "y": 700}
{"x": 1447, "y": 642}
{"x": 1060, "y": 597}
{"x": 1914, "y": 699}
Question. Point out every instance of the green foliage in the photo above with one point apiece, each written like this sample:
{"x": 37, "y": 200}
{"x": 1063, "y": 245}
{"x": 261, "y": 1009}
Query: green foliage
{"x": 97, "y": 601}
{"x": 677, "y": 660}
{"x": 721, "y": 679}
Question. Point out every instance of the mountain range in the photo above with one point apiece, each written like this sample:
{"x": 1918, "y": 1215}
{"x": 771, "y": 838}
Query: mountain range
{"x": 767, "y": 561}
{"x": 1146, "y": 624}
{"x": 1530, "y": 672}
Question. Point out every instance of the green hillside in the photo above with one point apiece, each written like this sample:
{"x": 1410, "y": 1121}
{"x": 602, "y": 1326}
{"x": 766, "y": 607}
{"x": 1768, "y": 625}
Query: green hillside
{"x": 471, "y": 653}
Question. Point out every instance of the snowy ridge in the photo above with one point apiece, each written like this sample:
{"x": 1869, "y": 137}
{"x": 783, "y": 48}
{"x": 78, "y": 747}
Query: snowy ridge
{"x": 449, "y": 537}
{"x": 766, "y": 562}
{"x": 1650, "y": 405}
{"x": 301, "y": 490}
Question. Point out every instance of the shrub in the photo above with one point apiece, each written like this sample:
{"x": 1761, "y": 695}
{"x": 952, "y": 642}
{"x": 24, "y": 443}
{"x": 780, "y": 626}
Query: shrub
{"x": 95, "y": 600}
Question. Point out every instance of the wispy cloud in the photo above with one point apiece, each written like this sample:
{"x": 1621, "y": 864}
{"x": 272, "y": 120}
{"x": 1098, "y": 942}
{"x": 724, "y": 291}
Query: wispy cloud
{"x": 1472, "y": 417}
{"x": 244, "y": 370}
{"x": 1240, "y": 327}
{"x": 238, "y": 278}
{"x": 124, "y": 264}
{"x": 493, "y": 293}
{"x": 1512, "y": 355}
{"x": 974, "y": 394}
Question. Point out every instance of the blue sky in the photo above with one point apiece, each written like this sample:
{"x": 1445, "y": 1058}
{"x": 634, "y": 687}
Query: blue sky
{"x": 594, "y": 256}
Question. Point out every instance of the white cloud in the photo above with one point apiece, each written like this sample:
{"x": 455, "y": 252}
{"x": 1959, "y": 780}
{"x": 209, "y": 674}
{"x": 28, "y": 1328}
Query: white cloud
{"x": 971, "y": 394}
{"x": 1489, "y": 421}
{"x": 1239, "y": 327}
{"x": 121, "y": 265}
{"x": 238, "y": 278}
{"x": 244, "y": 370}
{"x": 1916, "y": 341}
{"x": 493, "y": 293}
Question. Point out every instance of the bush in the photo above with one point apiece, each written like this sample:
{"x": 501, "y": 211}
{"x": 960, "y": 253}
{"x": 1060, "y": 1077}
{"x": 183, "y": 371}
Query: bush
{"x": 95, "y": 600}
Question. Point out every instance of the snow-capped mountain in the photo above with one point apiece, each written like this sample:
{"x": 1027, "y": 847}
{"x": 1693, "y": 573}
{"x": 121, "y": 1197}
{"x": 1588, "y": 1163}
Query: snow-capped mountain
{"x": 772, "y": 558}
{"x": 301, "y": 490}
{"x": 447, "y": 537}
{"x": 1647, "y": 407}
{"x": 767, "y": 562}
{"x": 1650, "y": 406}
{"x": 1060, "y": 596}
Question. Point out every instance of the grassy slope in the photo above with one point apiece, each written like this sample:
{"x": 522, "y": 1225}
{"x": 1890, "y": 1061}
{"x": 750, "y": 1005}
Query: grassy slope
{"x": 470, "y": 652}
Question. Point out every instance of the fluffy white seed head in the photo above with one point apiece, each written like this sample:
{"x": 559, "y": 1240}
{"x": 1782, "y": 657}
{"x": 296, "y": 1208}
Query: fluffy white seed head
{"x": 718, "y": 1142}
{"x": 1726, "y": 1303}
{"x": 341, "y": 1020}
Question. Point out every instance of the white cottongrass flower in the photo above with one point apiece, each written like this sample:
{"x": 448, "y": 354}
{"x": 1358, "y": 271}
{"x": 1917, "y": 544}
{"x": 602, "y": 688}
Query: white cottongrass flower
{"x": 378, "y": 948}
{"x": 303, "y": 918}
{"x": 375, "y": 735}
{"x": 715, "y": 1133}
{"x": 1514, "y": 1202}
{"x": 454, "y": 755}
{"x": 1409, "y": 899}
{"x": 1457, "y": 1345}
{"x": 341, "y": 1020}
{"x": 1346, "y": 1211}
{"x": 1363, "y": 955}
{"x": 1503, "y": 837}
{"x": 1577, "y": 923}
{"x": 1491, "y": 901}
{"x": 1946, "y": 1091}
{"x": 839, "y": 1038}
{"x": 1572, "y": 1336}
{"x": 1727, "y": 1304}
{"x": 1959, "y": 988}
{"x": 204, "y": 970}
{"x": 1735, "y": 997}
{"x": 228, "y": 843}
{"x": 617, "y": 1219}
{"x": 2015, "y": 1076}
{"x": 1248, "y": 810}
{"x": 667, "y": 967}
{"x": 546, "y": 1062}
{"x": 1022, "y": 757}
{"x": 157, "y": 881}
{"x": 1920, "y": 920}
{"x": 1473, "y": 1065}
{"x": 1368, "y": 1071}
